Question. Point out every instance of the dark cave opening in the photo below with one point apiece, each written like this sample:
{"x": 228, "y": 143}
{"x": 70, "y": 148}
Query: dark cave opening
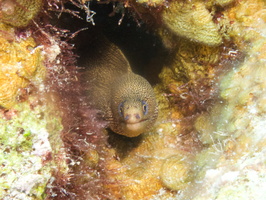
{"x": 138, "y": 41}
{"x": 141, "y": 46}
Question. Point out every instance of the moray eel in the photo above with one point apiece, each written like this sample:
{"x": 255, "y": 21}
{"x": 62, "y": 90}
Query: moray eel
{"x": 125, "y": 99}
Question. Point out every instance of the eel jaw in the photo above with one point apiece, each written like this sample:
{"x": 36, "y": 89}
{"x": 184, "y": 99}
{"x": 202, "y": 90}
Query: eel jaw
{"x": 136, "y": 126}
{"x": 134, "y": 121}
{"x": 134, "y": 129}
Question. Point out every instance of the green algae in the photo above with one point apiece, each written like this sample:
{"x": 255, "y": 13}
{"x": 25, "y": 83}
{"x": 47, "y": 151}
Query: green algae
{"x": 24, "y": 146}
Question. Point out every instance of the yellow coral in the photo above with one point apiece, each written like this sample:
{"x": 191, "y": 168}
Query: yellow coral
{"x": 176, "y": 172}
{"x": 19, "y": 13}
{"x": 144, "y": 186}
{"x": 236, "y": 127}
{"x": 191, "y": 62}
{"x": 193, "y": 21}
{"x": 205, "y": 128}
{"x": 152, "y": 2}
{"x": 245, "y": 22}
{"x": 20, "y": 64}
{"x": 137, "y": 173}
{"x": 224, "y": 2}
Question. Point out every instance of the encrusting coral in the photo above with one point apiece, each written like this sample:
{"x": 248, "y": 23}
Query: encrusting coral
{"x": 235, "y": 135}
{"x": 20, "y": 64}
{"x": 19, "y": 13}
{"x": 223, "y": 2}
{"x": 176, "y": 172}
{"x": 193, "y": 21}
{"x": 231, "y": 130}
{"x": 152, "y": 2}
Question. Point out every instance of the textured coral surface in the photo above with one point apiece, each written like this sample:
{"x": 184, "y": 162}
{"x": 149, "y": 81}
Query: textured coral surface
{"x": 19, "y": 13}
{"x": 20, "y": 64}
{"x": 231, "y": 131}
{"x": 191, "y": 19}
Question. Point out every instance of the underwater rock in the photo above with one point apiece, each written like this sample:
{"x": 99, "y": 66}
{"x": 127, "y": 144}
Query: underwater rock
{"x": 19, "y": 13}
{"x": 193, "y": 21}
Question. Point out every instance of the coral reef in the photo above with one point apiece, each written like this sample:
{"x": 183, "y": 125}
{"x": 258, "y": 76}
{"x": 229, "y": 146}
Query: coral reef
{"x": 235, "y": 135}
{"x": 230, "y": 129}
{"x": 209, "y": 139}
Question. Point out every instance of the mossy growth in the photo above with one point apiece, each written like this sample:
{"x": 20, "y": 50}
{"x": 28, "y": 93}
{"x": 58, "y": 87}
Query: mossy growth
{"x": 25, "y": 156}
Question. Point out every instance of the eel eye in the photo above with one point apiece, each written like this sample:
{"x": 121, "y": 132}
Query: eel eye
{"x": 144, "y": 107}
{"x": 120, "y": 109}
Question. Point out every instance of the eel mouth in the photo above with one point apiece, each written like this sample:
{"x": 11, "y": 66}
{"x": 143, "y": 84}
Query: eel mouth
{"x": 132, "y": 129}
{"x": 136, "y": 126}
{"x": 138, "y": 122}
